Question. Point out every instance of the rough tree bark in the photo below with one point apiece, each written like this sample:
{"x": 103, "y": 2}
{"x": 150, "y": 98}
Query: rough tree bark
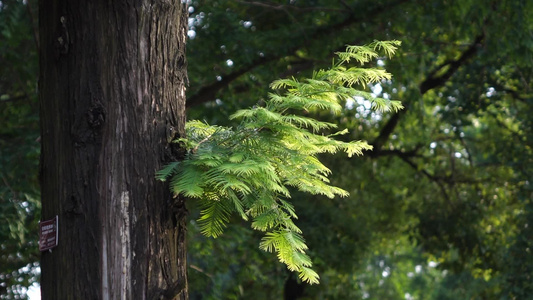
{"x": 111, "y": 86}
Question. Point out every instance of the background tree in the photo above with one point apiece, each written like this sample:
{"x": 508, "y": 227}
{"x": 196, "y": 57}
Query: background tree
{"x": 448, "y": 182}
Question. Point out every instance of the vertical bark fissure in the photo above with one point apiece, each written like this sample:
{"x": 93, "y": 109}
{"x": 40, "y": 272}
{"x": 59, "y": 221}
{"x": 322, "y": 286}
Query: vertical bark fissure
{"x": 125, "y": 240}
{"x": 105, "y": 277}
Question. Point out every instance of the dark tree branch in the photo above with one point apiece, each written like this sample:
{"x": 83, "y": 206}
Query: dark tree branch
{"x": 395, "y": 152}
{"x": 387, "y": 130}
{"x": 435, "y": 81}
{"x": 294, "y": 7}
{"x": 298, "y": 67}
{"x": 8, "y": 186}
{"x": 208, "y": 92}
{"x": 449, "y": 179}
{"x": 13, "y": 99}
{"x": 429, "y": 83}
{"x": 430, "y": 177}
{"x": 348, "y": 7}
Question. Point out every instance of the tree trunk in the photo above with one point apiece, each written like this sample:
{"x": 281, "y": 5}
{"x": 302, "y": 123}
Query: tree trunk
{"x": 112, "y": 85}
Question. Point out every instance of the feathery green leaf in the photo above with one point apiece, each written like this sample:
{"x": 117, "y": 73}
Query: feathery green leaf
{"x": 248, "y": 169}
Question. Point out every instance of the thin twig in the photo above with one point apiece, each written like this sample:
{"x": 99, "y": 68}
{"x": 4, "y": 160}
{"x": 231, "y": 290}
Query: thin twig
{"x": 194, "y": 267}
{"x": 201, "y": 142}
{"x": 13, "y": 99}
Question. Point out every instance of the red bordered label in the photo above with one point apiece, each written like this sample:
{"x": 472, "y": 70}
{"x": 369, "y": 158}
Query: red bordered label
{"x": 48, "y": 234}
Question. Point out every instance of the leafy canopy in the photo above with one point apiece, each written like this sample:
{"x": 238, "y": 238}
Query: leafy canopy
{"x": 249, "y": 169}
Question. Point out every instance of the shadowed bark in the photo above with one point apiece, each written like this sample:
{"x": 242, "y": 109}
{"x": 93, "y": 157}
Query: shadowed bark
{"x": 111, "y": 84}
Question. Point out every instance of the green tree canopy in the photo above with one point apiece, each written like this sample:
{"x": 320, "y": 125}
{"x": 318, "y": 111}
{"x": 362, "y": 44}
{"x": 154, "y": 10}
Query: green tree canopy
{"x": 19, "y": 148}
{"x": 448, "y": 180}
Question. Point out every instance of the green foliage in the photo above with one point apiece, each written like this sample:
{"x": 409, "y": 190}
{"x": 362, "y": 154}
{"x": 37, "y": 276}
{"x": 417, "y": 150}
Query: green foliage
{"x": 249, "y": 169}
{"x": 472, "y": 213}
{"x": 19, "y": 151}
{"x": 452, "y": 176}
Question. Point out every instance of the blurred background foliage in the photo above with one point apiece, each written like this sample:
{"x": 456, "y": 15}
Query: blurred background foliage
{"x": 19, "y": 149}
{"x": 442, "y": 208}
